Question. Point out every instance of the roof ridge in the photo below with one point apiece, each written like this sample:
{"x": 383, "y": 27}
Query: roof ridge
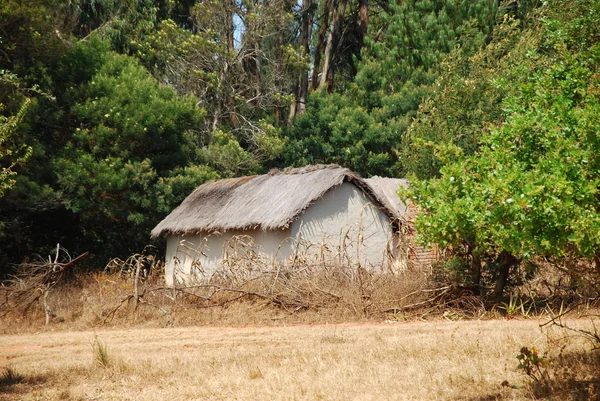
{"x": 304, "y": 170}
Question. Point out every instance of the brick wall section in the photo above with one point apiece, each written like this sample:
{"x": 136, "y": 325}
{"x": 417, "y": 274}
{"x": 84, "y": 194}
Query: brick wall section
{"x": 419, "y": 256}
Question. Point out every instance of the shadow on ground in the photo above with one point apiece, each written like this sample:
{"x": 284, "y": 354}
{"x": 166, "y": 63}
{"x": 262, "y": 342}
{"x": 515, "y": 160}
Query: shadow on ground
{"x": 574, "y": 376}
{"x": 14, "y": 382}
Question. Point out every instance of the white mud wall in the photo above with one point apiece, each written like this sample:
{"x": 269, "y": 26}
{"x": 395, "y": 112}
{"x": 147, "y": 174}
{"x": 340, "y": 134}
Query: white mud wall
{"x": 343, "y": 227}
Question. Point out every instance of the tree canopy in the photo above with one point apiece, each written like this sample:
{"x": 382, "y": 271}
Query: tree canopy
{"x": 530, "y": 188}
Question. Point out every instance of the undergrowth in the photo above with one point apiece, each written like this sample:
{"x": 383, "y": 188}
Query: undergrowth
{"x": 124, "y": 296}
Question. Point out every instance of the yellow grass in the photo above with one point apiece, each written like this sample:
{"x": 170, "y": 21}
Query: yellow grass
{"x": 332, "y": 296}
{"x": 438, "y": 360}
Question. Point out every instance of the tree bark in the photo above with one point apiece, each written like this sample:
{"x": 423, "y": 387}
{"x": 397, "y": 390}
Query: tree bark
{"x": 301, "y": 84}
{"x": 364, "y": 18}
{"x": 136, "y": 280}
{"x": 505, "y": 262}
{"x": 258, "y": 89}
{"x": 292, "y": 112}
{"x": 278, "y": 64}
{"x": 307, "y": 24}
{"x": 231, "y": 48}
{"x": 230, "y": 25}
{"x": 332, "y": 41}
{"x": 320, "y": 41}
{"x": 47, "y": 309}
{"x": 476, "y": 273}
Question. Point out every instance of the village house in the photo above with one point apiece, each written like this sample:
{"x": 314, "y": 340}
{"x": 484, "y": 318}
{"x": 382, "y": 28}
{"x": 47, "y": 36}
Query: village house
{"x": 325, "y": 213}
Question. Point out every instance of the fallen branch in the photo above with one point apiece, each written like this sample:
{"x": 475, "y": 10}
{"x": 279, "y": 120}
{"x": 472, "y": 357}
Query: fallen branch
{"x": 35, "y": 280}
{"x": 429, "y": 301}
{"x": 419, "y": 292}
{"x": 557, "y": 321}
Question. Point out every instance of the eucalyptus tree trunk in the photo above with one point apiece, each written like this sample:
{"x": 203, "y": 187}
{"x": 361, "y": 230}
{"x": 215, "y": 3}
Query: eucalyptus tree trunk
{"x": 278, "y": 63}
{"x": 259, "y": 83}
{"x": 364, "y": 18}
{"x": 307, "y": 24}
{"x": 229, "y": 67}
{"x": 339, "y": 10}
{"x": 301, "y": 85}
{"x": 320, "y": 42}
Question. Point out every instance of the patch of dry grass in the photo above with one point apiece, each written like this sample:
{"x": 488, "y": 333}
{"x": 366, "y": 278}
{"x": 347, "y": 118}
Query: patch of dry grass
{"x": 467, "y": 360}
{"x": 249, "y": 290}
{"x": 275, "y": 297}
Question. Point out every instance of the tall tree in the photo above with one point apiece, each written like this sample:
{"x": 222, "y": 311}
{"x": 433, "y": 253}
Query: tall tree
{"x": 532, "y": 188}
{"x": 230, "y": 62}
{"x": 417, "y": 34}
{"x": 301, "y": 87}
{"x": 365, "y": 126}
{"x": 470, "y": 99}
{"x": 99, "y": 170}
{"x": 324, "y": 24}
{"x": 333, "y": 38}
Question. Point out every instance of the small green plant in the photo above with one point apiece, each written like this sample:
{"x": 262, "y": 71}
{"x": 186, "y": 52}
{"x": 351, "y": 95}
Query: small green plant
{"x": 514, "y": 306}
{"x": 535, "y": 366}
{"x": 100, "y": 351}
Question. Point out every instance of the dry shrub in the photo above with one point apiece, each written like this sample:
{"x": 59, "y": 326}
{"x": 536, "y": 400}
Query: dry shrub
{"x": 246, "y": 291}
{"x": 316, "y": 278}
{"x": 565, "y": 370}
{"x": 349, "y": 292}
{"x": 536, "y": 288}
{"x": 250, "y": 289}
{"x": 292, "y": 295}
{"x": 575, "y": 376}
{"x": 35, "y": 284}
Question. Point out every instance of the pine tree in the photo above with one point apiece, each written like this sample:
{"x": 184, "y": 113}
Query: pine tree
{"x": 417, "y": 34}
{"x": 364, "y": 128}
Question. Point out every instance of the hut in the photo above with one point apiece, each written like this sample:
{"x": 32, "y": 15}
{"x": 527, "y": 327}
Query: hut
{"x": 325, "y": 211}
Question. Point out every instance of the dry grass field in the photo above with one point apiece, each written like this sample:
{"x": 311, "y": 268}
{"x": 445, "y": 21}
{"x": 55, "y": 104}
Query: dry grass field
{"x": 285, "y": 336}
{"x": 434, "y": 360}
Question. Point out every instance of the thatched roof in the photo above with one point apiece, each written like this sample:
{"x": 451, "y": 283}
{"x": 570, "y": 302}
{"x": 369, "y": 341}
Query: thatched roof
{"x": 386, "y": 191}
{"x": 271, "y": 201}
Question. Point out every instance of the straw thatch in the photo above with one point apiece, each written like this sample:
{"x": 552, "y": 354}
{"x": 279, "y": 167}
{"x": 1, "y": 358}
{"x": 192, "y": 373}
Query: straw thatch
{"x": 271, "y": 201}
{"x": 386, "y": 191}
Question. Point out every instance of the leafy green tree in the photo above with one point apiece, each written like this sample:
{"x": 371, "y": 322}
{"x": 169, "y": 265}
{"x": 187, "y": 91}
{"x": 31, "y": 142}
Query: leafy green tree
{"x": 30, "y": 36}
{"x": 419, "y": 33}
{"x": 12, "y": 153}
{"x": 132, "y": 131}
{"x": 243, "y": 87}
{"x": 532, "y": 187}
{"x": 472, "y": 84}
{"x": 334, "y": 129}
{"x": 121, "y": 23}
{"x": 103, "y": 165}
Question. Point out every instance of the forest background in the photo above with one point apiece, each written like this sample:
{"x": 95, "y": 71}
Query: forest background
{"x": 113, "y": 111}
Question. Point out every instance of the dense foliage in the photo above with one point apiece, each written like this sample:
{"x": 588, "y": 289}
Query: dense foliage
{"x": 364, "y": 127}
{"x": 112, "y": 112}
{"x": 11, "y": 153}
{"x": 531, "y": 187}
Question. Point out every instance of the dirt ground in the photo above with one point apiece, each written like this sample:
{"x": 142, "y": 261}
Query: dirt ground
{"x": 439, "y": 360}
